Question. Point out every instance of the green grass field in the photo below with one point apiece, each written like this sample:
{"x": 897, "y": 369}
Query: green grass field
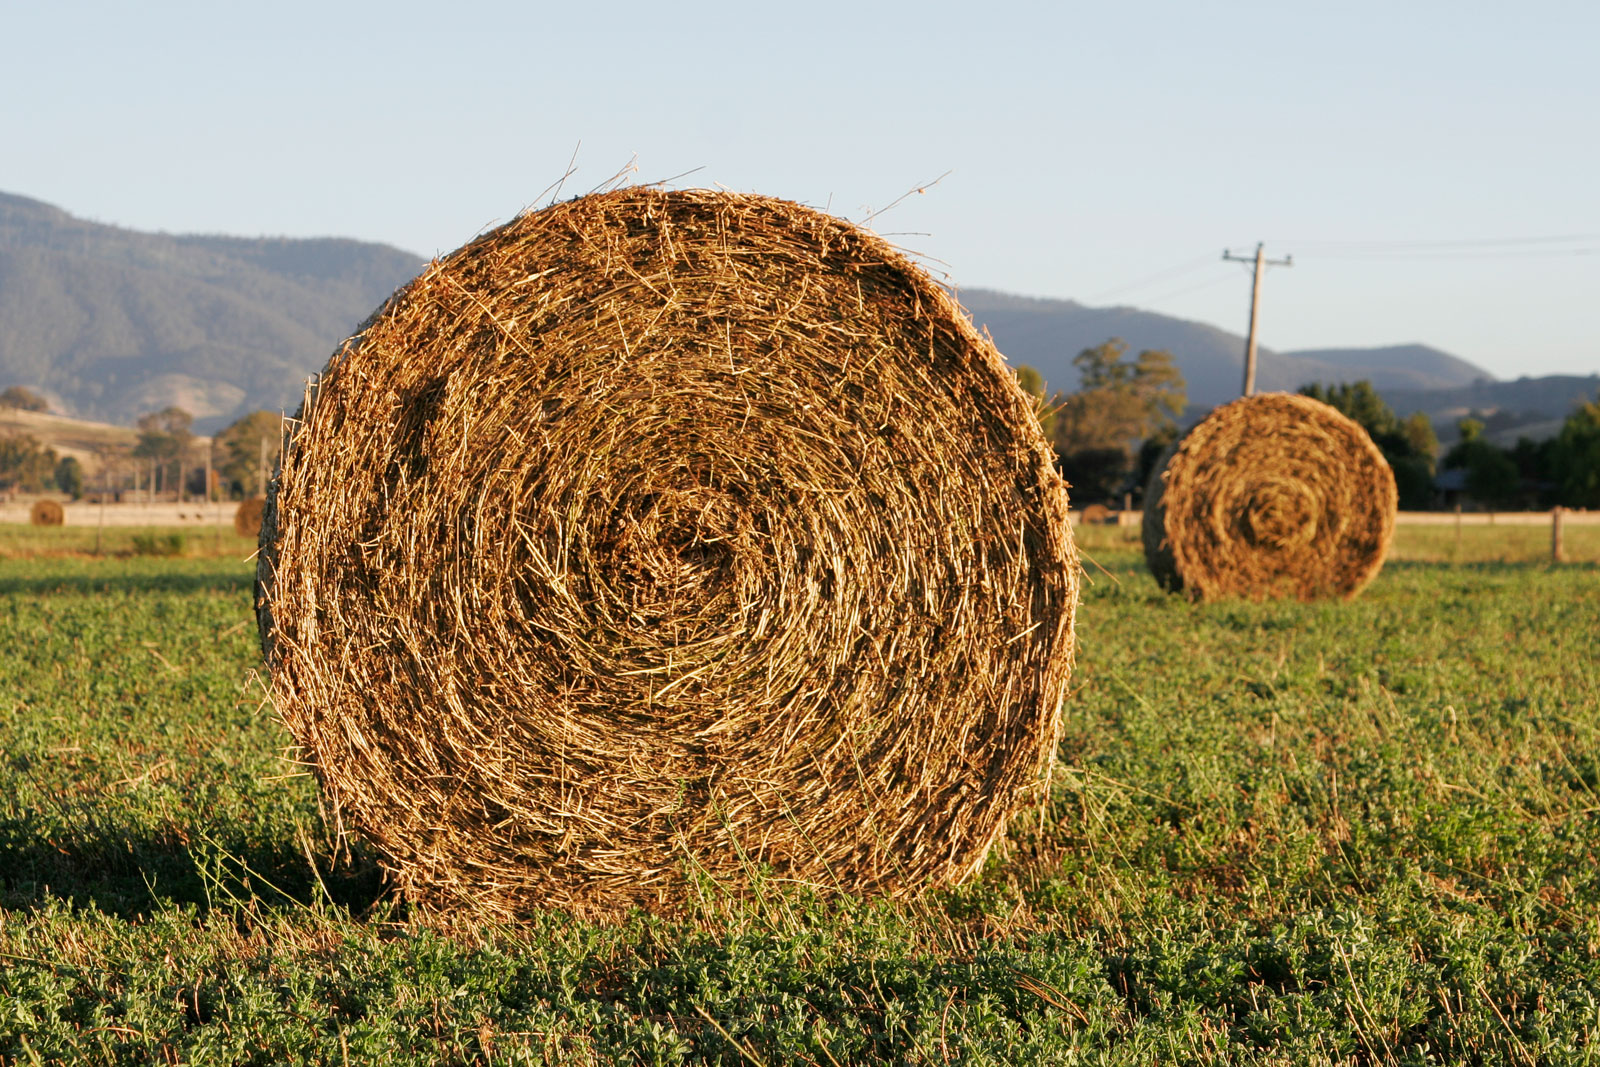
{"x": 58, "y": 542}
{"x": 1358, "y": 832}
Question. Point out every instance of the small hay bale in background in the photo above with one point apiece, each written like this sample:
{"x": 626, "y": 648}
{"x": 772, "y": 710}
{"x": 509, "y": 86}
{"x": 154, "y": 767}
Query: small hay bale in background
{"x": 1271, "y": 495}
{"x": 47, "y": 513}
{"x": 665, "y": 536}
{"x": 1098, "y": 515}
{"x": 247, "y": 518}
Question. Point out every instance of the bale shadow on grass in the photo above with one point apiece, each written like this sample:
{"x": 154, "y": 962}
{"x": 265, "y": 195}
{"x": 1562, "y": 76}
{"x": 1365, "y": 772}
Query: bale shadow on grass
{"x": 132, "y": 874}
{"x": 100, "y": 584}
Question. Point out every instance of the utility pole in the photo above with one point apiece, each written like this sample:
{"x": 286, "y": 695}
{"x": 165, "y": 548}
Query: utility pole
{"x": 1255, "y": 306}
{"x": 211, "y": 446}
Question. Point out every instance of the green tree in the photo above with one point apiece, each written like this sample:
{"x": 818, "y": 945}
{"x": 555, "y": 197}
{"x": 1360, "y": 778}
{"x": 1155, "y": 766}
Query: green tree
{"x": 1418, "y": 431}
{"x": 25, "y": 463}
{"x": 239, "y": 448}
{"x": 1492, "y": 476}
{"x": 23, "y": 398}
{"x": 1534, "y": 462}
{"x": 69, "y": 476}
{"x": 1575, "y": 457}
{"x": 1361, "y": 402}
{"x": 1410, "y": 445}
{"x": 1119, "y": 403}
{"x": 165, "y": 436}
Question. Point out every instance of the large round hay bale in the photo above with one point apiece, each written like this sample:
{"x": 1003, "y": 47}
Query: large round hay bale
{"x": 247, "y": 517}
{"x": 658, "y": 537}
{"x": 47, "y": 513}
{"x": 1273, "y": 495}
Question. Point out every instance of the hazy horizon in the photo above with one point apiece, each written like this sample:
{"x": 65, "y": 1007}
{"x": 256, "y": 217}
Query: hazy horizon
{"x": 1427, "y": 168}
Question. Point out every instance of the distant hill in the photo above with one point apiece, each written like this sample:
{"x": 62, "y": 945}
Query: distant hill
{"x": 111, "y": 323}
{"x": 1047, "y": 334}
{"x": 80, "y": 439}
{"x": 1527, "y": 407}
{"x": 1413, "y": 366}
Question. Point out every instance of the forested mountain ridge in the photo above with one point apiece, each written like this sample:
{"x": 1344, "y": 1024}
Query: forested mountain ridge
{"x": 111, "y": 323}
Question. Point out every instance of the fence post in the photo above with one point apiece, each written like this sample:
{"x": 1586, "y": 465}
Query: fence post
{"x": 1557, "y": 550}
{"x": 100, "y": 528}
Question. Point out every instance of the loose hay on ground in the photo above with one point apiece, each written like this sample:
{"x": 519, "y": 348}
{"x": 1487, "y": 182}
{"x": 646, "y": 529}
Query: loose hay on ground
{"x": 1271, "y": 495}
{"x": 655, "y": 537}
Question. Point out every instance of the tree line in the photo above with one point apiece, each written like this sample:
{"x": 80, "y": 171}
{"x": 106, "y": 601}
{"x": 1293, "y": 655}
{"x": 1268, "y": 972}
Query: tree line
{"x": 165, "y": 457}
{"x": 242, "y": 455}
{"x": 1109, "y": 435}
{"x": 1563, "y": 470}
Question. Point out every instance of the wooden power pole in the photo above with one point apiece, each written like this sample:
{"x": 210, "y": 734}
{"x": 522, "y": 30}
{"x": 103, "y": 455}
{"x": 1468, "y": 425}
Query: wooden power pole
{"x": 1255, "y": 307}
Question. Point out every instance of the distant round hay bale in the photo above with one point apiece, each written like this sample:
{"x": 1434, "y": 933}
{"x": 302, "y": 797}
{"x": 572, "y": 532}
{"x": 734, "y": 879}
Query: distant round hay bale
{"x": 1098, "y": 515}
{"x": 658, "y": 537}
{"x": 47, "y": 513}
{"x": 1272, "y": 495}
{"x": 247, "y": 518}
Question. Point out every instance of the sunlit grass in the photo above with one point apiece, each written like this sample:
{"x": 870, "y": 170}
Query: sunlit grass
{"x": 1285, "y": 833}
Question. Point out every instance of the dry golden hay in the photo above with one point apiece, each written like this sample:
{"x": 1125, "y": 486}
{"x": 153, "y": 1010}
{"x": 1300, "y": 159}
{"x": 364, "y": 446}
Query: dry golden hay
{"x": 47, "y": 513}
{"x": 1098, "y": 515}
{"x": 247, "y": 519}
{"x": 1271, "y": 495}
{"x": 663, "y": 537}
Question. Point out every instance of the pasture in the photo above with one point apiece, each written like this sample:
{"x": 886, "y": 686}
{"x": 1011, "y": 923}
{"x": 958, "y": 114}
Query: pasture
{"x": 1360, "y": 832}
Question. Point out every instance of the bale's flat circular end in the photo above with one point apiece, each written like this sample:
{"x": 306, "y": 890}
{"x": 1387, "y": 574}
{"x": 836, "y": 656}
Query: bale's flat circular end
{"x": 247, "y": 518}
{"x": 1272, "y": 495}
{"x": 47, "y": 513}
{"x": 662, "y": 537}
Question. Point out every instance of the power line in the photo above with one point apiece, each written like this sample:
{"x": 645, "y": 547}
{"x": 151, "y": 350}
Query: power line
{"x": 1162, "y": 298}
{"x": 1405, "y": 256}
{"x": 1186, "y": 267}
{"x": 1472, "y": 248}
{"x": 1470, "y": 242}
{"x": 1535, "y": 247}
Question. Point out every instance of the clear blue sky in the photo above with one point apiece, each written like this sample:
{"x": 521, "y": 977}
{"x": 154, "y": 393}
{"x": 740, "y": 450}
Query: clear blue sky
{"x": 1103, "y": 153}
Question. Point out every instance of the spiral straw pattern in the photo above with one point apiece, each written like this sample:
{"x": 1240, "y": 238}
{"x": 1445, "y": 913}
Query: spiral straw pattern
{"x": 657, "y": 538}
{"x": 1273, "y": 495}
